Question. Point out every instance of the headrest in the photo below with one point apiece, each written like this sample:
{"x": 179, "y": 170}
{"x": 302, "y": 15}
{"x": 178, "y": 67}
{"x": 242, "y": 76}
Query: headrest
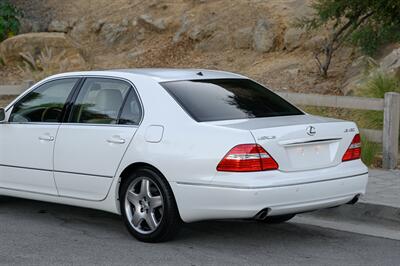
{"x": 108, "y": 100}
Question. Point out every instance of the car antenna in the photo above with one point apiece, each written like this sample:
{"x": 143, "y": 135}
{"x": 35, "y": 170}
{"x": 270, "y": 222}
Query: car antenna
{"x": 199, "y": 73}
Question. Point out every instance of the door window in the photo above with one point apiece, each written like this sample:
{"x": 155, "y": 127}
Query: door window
{"x": 100, "y": 101}
{"x": 45, "y": 103}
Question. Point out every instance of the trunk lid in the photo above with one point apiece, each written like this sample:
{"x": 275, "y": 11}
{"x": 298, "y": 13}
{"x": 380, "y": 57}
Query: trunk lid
{"x": 301, "y": 142}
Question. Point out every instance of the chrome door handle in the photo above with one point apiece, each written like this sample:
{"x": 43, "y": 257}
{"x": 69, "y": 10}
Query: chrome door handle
{"x": 46, "y": 138}
{"x": 116, "y": 140}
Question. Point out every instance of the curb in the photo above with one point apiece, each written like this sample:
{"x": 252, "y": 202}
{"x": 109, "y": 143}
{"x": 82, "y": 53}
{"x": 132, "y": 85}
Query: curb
{"x": 364, "y": 212}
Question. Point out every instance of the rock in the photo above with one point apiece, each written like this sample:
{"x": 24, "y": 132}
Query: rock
{"x": 243, "y": 38}
{"x": 59, "y": 44}
{"x": 136, "y": 54}
{"x": 293, "y": 72}
{"x": 59, "y": 26}
{"x": 316, "y": 43}
{"x": 263, "y": 36}
{"x": 356, "y": 74}
{"x": 26, "y": 26}
{"x": 147, "y": 21}
{"x": 293, "y": 38}
{"x": 185, "y": 24}
{"x": 96, "y": 27}
{"x": 391, "y": 63}
{"x": 199, "y": 32}
{"x": 81, "y": 31}
{"x": 36, "y": 26}
{"x": 112, "y": 32}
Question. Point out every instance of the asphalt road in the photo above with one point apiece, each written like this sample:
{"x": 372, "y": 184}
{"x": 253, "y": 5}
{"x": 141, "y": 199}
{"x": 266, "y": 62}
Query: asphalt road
{"x": 35, "y": 233}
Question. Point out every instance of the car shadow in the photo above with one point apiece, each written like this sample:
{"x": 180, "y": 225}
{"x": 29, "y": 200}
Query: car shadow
{"x": 88, "y": 220}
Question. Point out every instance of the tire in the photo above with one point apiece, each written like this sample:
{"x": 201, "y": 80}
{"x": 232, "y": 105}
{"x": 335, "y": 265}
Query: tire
{"x": 148, "y": 207}
{"x": 278, "y": 219}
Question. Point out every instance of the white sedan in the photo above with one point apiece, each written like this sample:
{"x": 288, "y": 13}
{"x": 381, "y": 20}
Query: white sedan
{"x": 162, "y": 146}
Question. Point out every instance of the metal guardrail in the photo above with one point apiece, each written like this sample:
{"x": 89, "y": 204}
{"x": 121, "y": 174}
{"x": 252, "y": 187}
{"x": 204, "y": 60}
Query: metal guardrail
{"x": 390, "y": 105}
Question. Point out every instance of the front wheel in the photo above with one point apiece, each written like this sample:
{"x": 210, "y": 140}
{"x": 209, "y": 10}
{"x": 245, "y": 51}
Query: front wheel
{"x": 148, "y": 207}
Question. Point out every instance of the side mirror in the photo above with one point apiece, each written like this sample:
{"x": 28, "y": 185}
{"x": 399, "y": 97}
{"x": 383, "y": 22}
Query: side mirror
{"x": 2, "y": 115}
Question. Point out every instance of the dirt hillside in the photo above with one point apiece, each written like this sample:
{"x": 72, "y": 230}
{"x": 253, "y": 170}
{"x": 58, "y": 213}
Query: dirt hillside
{"x": 253, "y": 37}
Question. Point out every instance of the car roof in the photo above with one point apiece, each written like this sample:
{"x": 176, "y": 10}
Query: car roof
{"x": 162, "y": 74}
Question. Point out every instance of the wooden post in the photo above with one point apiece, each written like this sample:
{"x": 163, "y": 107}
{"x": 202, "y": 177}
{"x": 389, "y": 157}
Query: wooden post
{"x": 391, "y": 122}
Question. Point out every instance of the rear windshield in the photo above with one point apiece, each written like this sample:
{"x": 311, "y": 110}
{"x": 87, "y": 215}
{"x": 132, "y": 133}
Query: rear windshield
{"x": 226, "y": 99}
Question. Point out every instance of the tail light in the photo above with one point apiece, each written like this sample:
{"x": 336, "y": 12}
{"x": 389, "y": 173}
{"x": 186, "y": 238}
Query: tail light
{"x": 354, "y": 150}
{"x": 247, "y": 158}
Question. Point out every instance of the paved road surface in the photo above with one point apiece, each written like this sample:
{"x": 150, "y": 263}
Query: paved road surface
{"x": 33, "y": 233}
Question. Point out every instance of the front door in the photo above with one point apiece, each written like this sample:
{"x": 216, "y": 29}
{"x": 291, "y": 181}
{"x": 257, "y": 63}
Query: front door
{"x": 27, "y": 139}
{"x": 91, "y": 144}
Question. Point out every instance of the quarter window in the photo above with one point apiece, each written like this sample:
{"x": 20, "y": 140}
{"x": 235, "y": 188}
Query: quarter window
{"x": 131, "y": 113}
{"x": 45, "y": 103}
{"x": 100, "y": 101}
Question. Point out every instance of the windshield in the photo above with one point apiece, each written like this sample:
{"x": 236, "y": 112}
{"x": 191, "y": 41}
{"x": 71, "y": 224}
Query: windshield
{"x": 226, "y": 99}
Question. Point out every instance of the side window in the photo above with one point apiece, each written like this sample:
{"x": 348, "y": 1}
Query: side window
{"x": 131, "y": 112}
{"x": 45, "y": 103}
{"x": 99, "y": 101}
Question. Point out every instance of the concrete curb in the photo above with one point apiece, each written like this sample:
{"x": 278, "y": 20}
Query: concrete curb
{"x": 364, "y": 212}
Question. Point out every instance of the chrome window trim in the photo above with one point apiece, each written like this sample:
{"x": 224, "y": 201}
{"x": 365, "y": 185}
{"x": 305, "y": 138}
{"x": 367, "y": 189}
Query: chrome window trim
{"x": 34, "y": 87}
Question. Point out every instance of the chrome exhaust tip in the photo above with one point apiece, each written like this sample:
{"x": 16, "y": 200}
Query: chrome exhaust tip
{"x": 262, "y": 215}
{"x": 354, "y": 200}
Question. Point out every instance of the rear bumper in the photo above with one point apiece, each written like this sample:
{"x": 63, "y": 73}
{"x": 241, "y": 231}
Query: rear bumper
{"x": 201, "y": 202}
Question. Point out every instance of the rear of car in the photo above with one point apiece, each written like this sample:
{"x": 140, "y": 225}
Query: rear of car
{"x": 295, "y": 162}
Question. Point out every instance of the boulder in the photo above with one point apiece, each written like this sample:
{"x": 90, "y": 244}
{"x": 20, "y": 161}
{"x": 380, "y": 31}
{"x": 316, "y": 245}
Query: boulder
{"x": 81, "y": 31}
{"x": 59, "y": 26}
{"x": 293, "y": 38}
{"x": 34, "y": 44}
{"x": 315, "y": 43}
{"x": 185, "y": 24}
{"x": 356, "y": 74}
{"x": 200, "y": 32}
{"x": 112, "y": 32}
{"x": 243, "y": 38}
{"x": 391, "y": 63}
{"x": 148, "y": 22}
{"x": 263, "y": 36}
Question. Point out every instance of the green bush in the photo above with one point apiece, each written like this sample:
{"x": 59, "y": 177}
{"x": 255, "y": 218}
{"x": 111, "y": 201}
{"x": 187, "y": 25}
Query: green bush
{"x": 379, "y": 84}
{"x": 9, "y": 22}
{"x": 369, "y": 151}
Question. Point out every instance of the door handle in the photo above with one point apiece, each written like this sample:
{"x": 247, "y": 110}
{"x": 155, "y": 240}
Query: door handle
{"x": 116, "y": 140}
{"x": 46, "y": 138}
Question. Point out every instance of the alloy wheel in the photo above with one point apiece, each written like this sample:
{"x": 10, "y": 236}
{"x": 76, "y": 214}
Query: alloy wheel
{"x": 144, "y": 205}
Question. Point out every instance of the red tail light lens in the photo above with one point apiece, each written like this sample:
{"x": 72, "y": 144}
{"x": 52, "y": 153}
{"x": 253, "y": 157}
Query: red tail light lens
{"x": 354, "y": 150}
{"x": 247, "y": 158}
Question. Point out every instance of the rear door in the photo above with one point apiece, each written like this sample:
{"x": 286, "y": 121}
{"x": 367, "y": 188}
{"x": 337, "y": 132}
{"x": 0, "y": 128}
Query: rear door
{"x": 91, "y": 144}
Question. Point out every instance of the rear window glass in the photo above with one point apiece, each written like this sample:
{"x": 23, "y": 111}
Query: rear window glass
{"x": 226, "y": 99}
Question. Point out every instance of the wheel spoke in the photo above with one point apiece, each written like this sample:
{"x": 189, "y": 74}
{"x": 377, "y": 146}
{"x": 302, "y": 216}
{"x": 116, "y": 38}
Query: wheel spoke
{"x": 136, "y": 219}
{"x": 155, "y": 202}
{"x": 133, "y": 198}
{"x": 145, "y": 188}
{"x": 151, "y": 222}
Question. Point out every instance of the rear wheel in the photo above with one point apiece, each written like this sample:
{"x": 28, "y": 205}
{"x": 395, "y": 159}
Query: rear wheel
{"x": 278, "y": 219}
{"x": 148, "y": 206}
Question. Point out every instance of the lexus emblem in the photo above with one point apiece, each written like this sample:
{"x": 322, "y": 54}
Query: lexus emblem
{"x": 311, "y": 131}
